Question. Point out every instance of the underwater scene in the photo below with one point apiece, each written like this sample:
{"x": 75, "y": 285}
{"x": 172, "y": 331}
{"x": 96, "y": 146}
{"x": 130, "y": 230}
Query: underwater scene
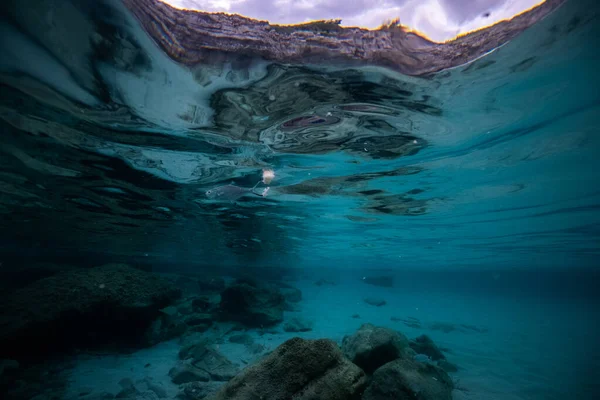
{"x": 232, "y": 205}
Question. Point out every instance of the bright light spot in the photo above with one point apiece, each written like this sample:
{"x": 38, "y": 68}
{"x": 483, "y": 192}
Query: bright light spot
{"x": 267, "y": 176}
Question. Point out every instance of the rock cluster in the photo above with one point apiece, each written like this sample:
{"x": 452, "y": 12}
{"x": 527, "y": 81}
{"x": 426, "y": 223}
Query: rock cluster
{"x": 85, "y": 307}
{"x": 298, "y": 369}
{"x": 374, "y": 363}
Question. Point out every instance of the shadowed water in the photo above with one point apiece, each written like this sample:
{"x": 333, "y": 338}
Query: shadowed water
{"x": 108, "y": 149}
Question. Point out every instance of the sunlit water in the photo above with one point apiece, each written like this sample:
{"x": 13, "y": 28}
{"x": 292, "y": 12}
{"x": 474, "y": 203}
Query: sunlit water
{"x": 484, "y": 176}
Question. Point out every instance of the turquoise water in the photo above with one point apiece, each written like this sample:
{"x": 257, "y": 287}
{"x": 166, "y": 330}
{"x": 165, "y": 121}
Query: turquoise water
{"x": 475, "y": 190}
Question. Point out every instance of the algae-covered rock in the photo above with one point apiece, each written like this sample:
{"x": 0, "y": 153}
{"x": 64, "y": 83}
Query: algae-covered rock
{"x": 409, "y": 379}
{"x": 372, "y": 346}
{"x": 298, "y": 369}
{"x": 84, "y": 307}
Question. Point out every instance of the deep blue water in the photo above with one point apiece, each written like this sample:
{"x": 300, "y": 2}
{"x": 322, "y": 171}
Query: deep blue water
{"x": 477, "y": 188}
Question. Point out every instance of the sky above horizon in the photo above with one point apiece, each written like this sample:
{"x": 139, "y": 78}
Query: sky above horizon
{"x": 439, "y": 20}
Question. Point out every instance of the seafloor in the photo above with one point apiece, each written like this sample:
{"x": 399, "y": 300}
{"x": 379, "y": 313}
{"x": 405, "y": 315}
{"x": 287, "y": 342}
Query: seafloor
{"x": 115, "y": 331}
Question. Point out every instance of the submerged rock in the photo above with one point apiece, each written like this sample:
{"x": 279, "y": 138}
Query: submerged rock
{"x": 383, "y": 281}
{"x": 11, "y": 279}
{"x": 424, "y": 345}
{"x": 156, "y": 387}
{"x": 298, "y": 369}
{"x": 422, "y": 358}
{"x": 95, "y": 396}
{"x": 443, "y": 326}
{"x": 256, "y": 348}
{"x": 375, "y": 302}
{"x": 205, "y": 303}
{"x": 447, "y": 366}
{"x": 324, "y": 282}
{"x": 409, "y": 379}
{"x": 198, "y": 390}
{"x": 85, "y": 307}
{"x": 147, "y": 395}
{"x": 184, "y": 372}
{"x": 215, "y": 364}
{"x": 198, "y": 319}
{"x": 211, "y": 284}
{"x": 252, "y": 304}
{"x": 291, "y": 307}
{"x": 8, "y": 365}
{"x": 242, "y": 339}
{"x": 144, "y": 389}
{"x": 297, "y": 325}
{"x": 372, "y": 346}
{"x": 128, "y": 389}
{"x": 290, "y": 293}
{"x": 163, "y": 328}
{"x": 205, "y": 358}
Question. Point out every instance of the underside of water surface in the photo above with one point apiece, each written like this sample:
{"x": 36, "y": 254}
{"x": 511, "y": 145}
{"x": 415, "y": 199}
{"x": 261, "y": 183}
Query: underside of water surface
{"x": 431, "y": 211}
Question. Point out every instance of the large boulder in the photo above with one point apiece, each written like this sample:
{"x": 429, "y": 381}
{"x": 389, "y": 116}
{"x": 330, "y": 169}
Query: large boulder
{"x": 409, "y": 379}
{"x": 373, "y": 346}
{"x": 86, "y": 307}
{"x": 252, "y": 304}
{"x": 298, "y": 369}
